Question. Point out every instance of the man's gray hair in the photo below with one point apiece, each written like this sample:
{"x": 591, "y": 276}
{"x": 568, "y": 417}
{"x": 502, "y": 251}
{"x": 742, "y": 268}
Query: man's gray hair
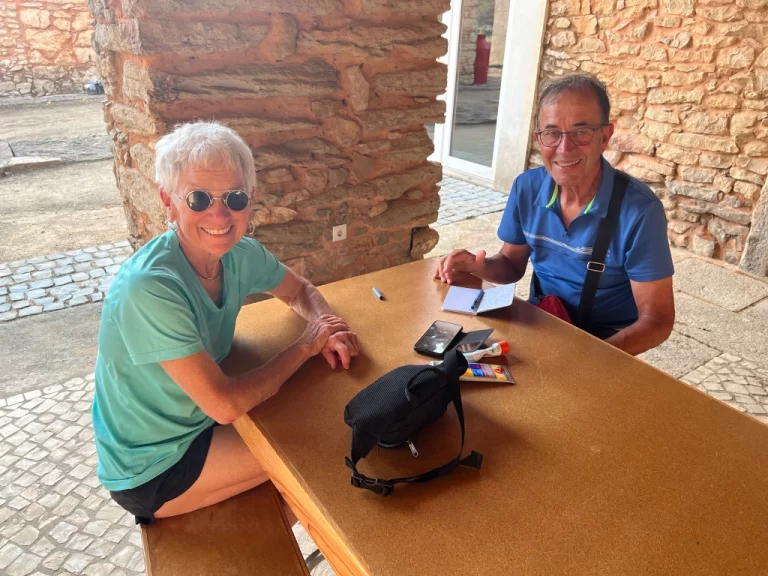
{"x": 202, "y": 145}
{"x": 575, "y": 83}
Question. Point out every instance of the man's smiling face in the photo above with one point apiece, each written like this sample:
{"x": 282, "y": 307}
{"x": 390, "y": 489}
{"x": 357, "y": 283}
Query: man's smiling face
{"x": 570, "y": 164}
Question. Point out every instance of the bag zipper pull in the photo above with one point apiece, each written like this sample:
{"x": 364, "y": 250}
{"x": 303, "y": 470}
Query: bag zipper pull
{"x": 413, "y": 448}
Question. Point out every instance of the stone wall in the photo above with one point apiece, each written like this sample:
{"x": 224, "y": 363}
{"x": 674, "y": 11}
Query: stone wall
{"x": 45, "y": 47}
{"x": 689, "y": 84}
{"x": 331, "y": 95}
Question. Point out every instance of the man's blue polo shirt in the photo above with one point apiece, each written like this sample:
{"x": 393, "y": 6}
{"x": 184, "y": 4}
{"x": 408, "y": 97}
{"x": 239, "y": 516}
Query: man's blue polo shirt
{"x": 639, "y": 250}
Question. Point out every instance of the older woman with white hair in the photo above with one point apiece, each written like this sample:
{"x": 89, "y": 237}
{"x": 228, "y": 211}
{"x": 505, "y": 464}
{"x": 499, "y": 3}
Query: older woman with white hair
{"x": 163, "y": 408}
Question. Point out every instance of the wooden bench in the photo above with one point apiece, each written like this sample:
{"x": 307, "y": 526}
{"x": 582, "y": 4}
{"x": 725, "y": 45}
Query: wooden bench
{"x": 247, "y": 534}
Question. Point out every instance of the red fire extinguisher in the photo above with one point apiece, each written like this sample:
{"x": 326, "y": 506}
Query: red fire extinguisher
{"x": 482, "y": 58}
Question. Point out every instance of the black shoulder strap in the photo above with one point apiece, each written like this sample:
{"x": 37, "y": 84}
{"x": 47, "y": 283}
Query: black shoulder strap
{"x": 596, "y": 266}
{"x": 474, "y": 460}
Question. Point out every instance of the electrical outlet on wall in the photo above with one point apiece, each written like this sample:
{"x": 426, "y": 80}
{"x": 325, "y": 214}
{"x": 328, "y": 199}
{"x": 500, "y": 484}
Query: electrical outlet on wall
{"x": 339, "y": 232}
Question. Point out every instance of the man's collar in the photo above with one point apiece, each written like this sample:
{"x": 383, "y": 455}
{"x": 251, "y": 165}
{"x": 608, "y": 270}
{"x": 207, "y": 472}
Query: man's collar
{"x": 548, "y": 193}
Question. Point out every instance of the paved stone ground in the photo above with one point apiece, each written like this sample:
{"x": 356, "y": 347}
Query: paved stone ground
{"x": 52, "y": 282}
{"x": 56, "y": 519}
{"x": 461, "y": 200}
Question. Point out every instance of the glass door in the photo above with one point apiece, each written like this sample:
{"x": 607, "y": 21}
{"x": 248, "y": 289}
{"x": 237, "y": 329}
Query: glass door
{"x": 494, "y": 48}
{"x": 476, "y": 40}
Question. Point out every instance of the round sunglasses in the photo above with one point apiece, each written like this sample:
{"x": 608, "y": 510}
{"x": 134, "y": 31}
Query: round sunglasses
{"x": 200, "y": 200}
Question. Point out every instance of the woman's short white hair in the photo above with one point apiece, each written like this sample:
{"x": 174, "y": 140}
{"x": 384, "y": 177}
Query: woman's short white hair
{"x": 202, "y": 145}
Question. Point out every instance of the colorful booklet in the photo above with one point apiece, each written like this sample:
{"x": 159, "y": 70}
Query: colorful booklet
{"x": 487, "y": 373}
{"x": 474, "y": 302}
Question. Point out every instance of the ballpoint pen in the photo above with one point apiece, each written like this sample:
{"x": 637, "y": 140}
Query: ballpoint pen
{"x": 477, "y": 301}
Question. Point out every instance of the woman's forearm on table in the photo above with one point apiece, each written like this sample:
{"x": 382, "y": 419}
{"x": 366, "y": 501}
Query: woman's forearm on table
{"x": 309, "y": 303}
{"x": 250, "y": 389}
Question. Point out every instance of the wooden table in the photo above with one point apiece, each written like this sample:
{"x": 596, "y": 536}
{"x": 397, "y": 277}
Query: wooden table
{"x": 595, "y": 463}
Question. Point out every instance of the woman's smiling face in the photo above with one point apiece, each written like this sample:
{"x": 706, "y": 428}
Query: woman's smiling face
{"x": 214, "y": 230}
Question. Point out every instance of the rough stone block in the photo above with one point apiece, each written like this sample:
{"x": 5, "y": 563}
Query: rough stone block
{"x": 359, "y": 89}
{"x": 732, "y": 214}
{"x": 141, "y": 193}
{"x": 698, "y": 192}
{"x": 682, "y": 7}
{"x": 394, "y": 119}
{"x": 310, "y": 79}
{"x": 47, "y": 40}
{"x": 630, "y": 142}
{"x": 747, "y": 176}
{"x": 412, "y": 83}
{"x": 132, "y": 120}
{"x": 713, "y": 143}
{"x": 675, "y": 154}
{"x": 719, "y": 13}
{"x": 703, "y": 123}
{"x": 143, "y": 8}
{"x": 149, "y": 37}
{"x": 373, "y": 43}
{"x": 675, "y": 96}
{"x": 629, "y": 81}
{"x": 711, "y": 160}
{"x": 699, "y": 175}
{"x": 662, "y": 114}
{"x": 755, "y": 258}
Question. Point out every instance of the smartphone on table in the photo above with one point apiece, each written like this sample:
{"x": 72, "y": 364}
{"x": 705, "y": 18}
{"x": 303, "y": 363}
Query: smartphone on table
{"x": 437, "y": 339}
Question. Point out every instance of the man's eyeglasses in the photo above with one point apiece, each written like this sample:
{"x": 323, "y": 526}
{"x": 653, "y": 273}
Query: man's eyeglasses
{"x": 579, "y": 137}
{"x": 200, "y": 200}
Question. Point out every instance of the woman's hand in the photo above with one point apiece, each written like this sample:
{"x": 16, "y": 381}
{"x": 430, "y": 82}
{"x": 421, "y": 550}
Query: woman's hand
{"x": 341, "y": 346}
{"x": 318, "y": 331}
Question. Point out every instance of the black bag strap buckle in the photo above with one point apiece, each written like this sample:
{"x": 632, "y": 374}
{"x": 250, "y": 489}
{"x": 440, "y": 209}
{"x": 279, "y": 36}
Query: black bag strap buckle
{"x": 598, "y": 267}
{"x": 375, "y": 485}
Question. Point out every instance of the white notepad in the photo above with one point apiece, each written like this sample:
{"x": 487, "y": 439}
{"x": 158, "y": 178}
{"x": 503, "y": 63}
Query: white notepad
{"x": 461, "y": 299}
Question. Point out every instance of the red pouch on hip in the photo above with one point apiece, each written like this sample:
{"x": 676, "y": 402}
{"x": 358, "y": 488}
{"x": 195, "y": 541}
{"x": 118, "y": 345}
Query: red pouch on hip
{"x": 554, "y": 306}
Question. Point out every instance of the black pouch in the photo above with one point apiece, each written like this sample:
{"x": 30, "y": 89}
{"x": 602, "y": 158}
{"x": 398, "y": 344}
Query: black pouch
{"x": 392, "y": 410}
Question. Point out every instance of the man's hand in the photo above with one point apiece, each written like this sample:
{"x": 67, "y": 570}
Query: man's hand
{"x": 460, "y": 261}
{"x": 341, "y": 347}
{"x": 317, "y": 332}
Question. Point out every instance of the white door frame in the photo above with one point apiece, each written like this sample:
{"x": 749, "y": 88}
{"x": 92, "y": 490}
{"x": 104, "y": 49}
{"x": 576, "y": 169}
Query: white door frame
{"x": 517, "y": 99}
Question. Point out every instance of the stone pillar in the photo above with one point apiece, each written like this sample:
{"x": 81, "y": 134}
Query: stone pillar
{"x": 331, "y": 95}
{"x": 499, "y": 38}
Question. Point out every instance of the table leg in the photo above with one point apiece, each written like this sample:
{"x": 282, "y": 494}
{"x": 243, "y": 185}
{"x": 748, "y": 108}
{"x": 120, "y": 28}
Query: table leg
{"x": 333, "y": 545}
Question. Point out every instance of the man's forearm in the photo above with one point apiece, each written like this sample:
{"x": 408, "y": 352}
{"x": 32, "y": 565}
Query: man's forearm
{"x": 643, "y": 335}
{"x": 499, "y": 270}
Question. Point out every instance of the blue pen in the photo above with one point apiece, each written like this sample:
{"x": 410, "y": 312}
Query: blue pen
{"x": 378, "y": 294}
{"x": 477, "y": 301}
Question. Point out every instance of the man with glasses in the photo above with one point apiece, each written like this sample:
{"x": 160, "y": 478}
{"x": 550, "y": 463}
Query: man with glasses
{"x": 553, "y": 216}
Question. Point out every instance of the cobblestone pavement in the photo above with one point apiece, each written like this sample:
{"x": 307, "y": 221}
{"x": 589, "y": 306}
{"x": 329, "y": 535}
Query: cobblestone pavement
{"x": 55, "y": 281}
{"x": 461, "y": 200}
{"x": 737, "y": 382}
{"x": 55, "y": 518}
